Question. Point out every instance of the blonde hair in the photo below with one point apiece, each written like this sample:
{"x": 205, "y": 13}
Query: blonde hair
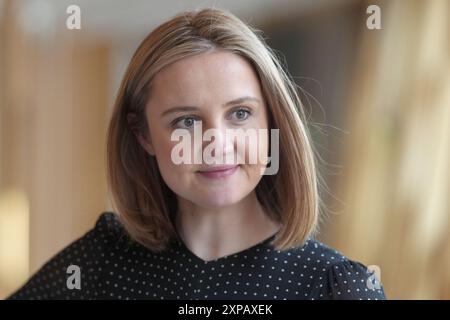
{"x": 146, "y": 206}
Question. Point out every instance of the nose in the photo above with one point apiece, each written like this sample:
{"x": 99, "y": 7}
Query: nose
{"x": 219, "y": 145}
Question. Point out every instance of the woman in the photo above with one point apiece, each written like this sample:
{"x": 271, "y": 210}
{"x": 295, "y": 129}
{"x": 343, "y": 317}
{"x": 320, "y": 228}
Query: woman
{"x": 203, "y": 230}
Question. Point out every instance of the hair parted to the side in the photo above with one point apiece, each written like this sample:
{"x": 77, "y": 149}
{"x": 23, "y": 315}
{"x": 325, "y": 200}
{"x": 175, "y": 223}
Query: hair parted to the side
{"x": 146, "y": 206}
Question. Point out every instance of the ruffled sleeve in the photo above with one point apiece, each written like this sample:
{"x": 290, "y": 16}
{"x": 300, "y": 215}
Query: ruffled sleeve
{"x": 351, "y": 280}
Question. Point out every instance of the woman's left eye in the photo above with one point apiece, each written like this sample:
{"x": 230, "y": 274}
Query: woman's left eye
{"x": 240, "y": 114}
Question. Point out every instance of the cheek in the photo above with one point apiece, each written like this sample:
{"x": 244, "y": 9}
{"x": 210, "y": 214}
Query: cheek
{"x": 261, "y": 142}
{"x": 162, "y": 146}
{"x": 256, "y": 153}
{"x": 163, "y": 152}
{"x": 176, "y": 176}
{"x": 256, "y": 148}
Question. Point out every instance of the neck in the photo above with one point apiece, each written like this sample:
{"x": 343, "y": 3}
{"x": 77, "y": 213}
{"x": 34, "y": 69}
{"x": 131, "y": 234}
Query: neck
{"x": 211, "y": 233}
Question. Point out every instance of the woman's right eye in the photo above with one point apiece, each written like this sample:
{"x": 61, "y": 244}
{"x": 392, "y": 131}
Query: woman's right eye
{"x": 185, "y": 122}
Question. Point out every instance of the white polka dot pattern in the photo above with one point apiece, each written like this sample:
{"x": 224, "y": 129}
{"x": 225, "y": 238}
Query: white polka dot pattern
{"x": 114, "y": 267}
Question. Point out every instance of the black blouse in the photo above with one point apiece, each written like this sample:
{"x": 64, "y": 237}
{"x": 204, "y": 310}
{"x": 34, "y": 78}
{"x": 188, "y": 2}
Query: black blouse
{"x": 112, "y": 266}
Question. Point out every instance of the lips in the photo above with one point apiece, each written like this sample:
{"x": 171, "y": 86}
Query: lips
{"x": 218, "y": 172}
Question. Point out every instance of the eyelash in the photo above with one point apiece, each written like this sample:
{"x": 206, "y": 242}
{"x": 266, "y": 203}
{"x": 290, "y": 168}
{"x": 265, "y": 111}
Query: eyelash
{"x": 247, "y": 110}
{"x": 175, "y": 122}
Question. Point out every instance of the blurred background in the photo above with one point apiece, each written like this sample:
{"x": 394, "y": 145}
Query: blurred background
{"x": 378, "y": 99}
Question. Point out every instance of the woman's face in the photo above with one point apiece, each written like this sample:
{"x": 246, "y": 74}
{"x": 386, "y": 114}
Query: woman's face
{"x": 198, "y": 93}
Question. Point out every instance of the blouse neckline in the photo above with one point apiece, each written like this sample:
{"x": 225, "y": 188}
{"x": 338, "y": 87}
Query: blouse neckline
{"x": 252, "y": 248}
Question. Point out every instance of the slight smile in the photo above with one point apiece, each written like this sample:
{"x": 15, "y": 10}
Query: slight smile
{"x": 218, "y": 172}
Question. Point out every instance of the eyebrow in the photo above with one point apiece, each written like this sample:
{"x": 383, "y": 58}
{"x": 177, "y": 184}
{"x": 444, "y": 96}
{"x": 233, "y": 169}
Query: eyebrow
{"x": 193, "y": 108}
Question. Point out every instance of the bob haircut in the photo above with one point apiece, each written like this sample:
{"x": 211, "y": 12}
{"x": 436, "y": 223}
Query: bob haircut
{"x": 145, "y": 205}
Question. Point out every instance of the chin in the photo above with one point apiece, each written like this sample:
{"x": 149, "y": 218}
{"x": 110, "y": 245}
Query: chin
{"x": 218, "y": 200}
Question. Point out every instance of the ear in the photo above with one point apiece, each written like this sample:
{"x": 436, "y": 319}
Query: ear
{"x": 144, "y": 140}
{"x": 145, "y": 143}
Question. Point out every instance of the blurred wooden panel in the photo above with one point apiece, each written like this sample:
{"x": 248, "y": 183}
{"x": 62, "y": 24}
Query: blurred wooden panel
{"x": 395, "y": 182}
{"x": 53, "y": 129}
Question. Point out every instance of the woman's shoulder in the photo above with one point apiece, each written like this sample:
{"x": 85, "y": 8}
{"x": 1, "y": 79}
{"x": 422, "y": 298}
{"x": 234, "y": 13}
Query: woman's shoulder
{"x": 109, "y": 227}
{"x": 335, "y": 276}
{"x": 87, "y": 254}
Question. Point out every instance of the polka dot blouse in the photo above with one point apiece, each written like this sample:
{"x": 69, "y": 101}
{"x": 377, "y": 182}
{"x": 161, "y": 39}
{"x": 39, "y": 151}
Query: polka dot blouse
{"x": 111, "y": 266}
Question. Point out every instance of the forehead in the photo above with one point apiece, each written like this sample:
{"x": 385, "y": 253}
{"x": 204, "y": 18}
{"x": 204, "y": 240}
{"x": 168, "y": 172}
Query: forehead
{"x": 206, "y": 78}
